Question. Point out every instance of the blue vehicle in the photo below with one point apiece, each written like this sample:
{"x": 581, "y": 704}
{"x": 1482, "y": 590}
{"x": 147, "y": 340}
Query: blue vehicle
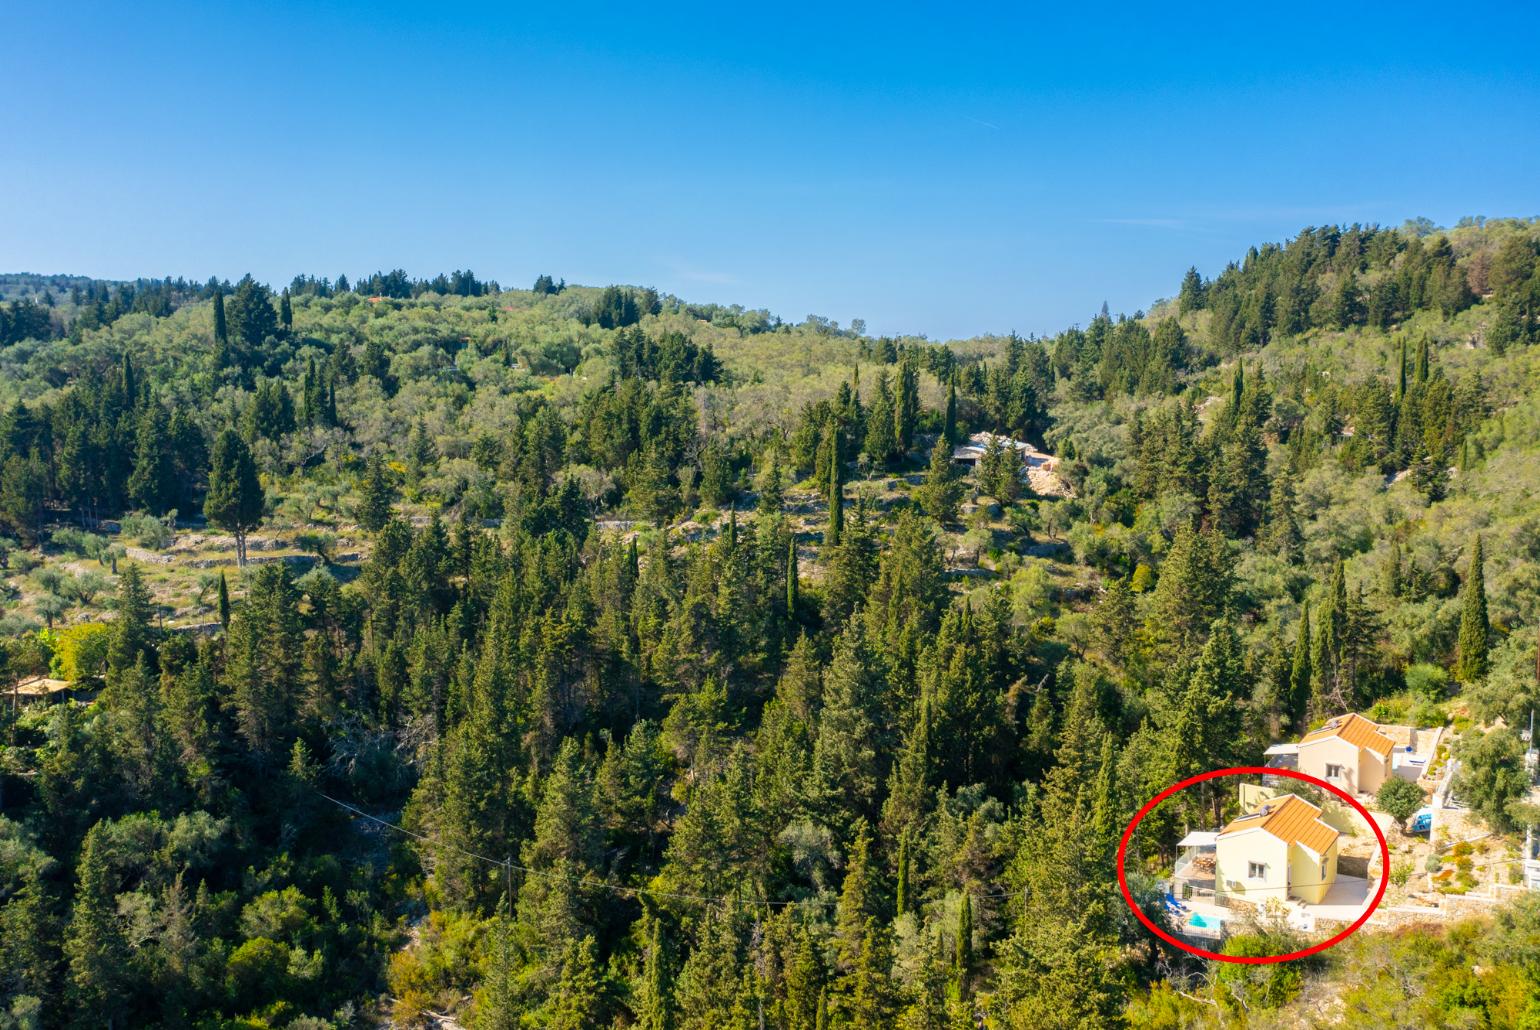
{"x": 1420, "y": 822}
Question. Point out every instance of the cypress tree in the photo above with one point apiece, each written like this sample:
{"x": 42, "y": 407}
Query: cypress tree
{"x": 221, "y": 328}
{"x": 949, "y": 427}
{"x": 906, "y": 407}
{"x": 127, "y": 381}
{"x": 852, "y": 415}
{"x": 23, "y": 489}
{"x": 859, "y": 897}
{"x": 879, "y": 434}
{"x": 264, "y": 661}
{"x": 312, "y": 391}
{"x": 285, "y": 311}
{"x": 962, "y": 959}
{"x": 235, "y": 499}
{"x": 942, "y": 490}
{"x": 654, "y": 1014}
{"x": 1339, "y": 598}
{"x": 377, "y": 495}
{"x": 224, "y": 601}
{"x": 902, "y": 901}
{"x": 1191, "y": 296}
{"x": 772, "y": 497}
{"x": 1323, "y": 666}
{"x": 909, "y": 783}
{"x": 792, "y": 586}
{"x": 1394, "y": 570}
{"x": 848, "y": 752}
{"x": 31, "y": 956}
{"x": 93, "y": 944}
{"x": 552, "y": 911}
{"x": 1106, "y": 825}
{"x": 836, "y": 495}
{"x": 1282, "y": 534}
{"x": 131, "y": 631}
{"x": 497, "y": 1001}
{"x": 1039, "y": 736}
{"x": 153, "y": 483}
{"x": 1475, "y": 630}
{"x": 1299, "y": 673}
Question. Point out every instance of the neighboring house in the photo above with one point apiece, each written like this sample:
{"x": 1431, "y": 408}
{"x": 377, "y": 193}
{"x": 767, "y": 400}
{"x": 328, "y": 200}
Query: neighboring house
{"x": 971, "y": 452}
{"x": 40, "y": 689}
{"x": 1282, "y": 849}
{"x": 1348, "y": 752}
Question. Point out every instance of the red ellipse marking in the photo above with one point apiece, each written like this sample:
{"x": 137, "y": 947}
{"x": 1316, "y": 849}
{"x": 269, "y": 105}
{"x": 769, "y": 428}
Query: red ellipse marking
{"x": 1252, "y": 770}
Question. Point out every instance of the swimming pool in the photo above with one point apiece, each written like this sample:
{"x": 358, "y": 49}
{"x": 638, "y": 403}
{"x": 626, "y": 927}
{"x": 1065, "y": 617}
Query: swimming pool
{"x": 1198, "y": 920}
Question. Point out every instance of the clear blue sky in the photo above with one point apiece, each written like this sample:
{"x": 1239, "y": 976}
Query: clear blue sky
{"x": 950, "y": 170}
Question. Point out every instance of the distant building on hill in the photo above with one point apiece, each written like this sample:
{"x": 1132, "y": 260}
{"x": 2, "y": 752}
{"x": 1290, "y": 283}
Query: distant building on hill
{"x": 42, "y": 689}
{"x": 971, "y": 452}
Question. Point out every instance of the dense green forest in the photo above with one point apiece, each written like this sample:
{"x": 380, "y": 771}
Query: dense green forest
{"x": 679, "y": 679}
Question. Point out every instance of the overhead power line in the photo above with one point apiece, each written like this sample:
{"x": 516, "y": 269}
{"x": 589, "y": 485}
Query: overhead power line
{"x": 509, "y": 866}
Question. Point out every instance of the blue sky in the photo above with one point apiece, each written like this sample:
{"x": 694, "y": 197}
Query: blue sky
{"x": 948, "y": 170}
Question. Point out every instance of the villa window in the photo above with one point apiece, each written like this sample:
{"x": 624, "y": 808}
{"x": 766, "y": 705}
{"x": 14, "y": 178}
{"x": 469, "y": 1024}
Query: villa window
{"x": 1334, "y": 772}
{"x": 1256, "y": 870}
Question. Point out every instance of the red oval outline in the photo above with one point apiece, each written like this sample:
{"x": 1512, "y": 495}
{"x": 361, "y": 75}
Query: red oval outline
{"x": 1252, "y": 770}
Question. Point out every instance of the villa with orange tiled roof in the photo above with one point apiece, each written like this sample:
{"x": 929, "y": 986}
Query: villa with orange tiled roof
{"x": 1279, "y": 850}
{"x": 1349, "y": 752}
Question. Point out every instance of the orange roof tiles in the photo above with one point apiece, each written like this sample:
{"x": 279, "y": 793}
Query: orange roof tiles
{"x": 1354, "y": 729}
{"x": 1291, "y": 819}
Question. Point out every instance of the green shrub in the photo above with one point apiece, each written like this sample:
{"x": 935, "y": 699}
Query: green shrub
{"x": 80, "y": 651}
{"x": 1399, "y": 799}
{"x": 1390, "y": 709}
{"x": 79, "y": 542}
{"x": 1427, "y": 682}
{"x": 319, "y": 543}
{"x": 1142, "y": 579}
{"x": 148, "y": 531}
{"x": 1427, "y": 713}
{"x": 1245, "y": 986}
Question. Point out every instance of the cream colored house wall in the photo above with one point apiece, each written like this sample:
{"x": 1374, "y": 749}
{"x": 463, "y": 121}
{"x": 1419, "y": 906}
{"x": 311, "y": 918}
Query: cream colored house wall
{"x": 1253, "y": 794}
{"x": 1340, "y": 817}
{"x": 1373, "y": 770}
{"x": 1314, "y": 758}
{"x": 1305, "y": 878}
{"x": 1231, "y": 857}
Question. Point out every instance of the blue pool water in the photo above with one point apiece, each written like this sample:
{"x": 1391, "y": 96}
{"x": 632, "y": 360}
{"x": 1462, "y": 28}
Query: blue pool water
{"x": 1198, "y": 920}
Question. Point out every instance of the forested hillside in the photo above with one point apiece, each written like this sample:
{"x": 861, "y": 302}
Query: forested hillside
{"x": 577, "y": 657}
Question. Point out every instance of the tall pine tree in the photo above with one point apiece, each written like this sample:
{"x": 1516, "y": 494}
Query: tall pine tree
{"x": 1475, "y": 630}
{"x": 836, "y": 494}
{"x": 235, "y": 498}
